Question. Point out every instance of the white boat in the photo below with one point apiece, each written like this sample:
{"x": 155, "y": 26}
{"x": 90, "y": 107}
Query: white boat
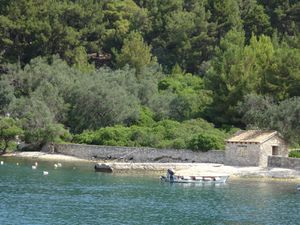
{"x": 172, "y": 178}
{"x": 298, "y": 187}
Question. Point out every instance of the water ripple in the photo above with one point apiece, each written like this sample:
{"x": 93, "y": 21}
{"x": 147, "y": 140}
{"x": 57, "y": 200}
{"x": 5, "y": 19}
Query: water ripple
{"x": 80, "y": 196}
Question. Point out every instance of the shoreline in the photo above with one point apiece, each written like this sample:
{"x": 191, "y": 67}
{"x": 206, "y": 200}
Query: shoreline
{"x": 44, "y": 156}
{"x": 179, "y": 168}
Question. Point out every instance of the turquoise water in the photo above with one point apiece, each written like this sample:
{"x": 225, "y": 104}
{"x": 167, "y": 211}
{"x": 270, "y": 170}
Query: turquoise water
{"x": 75, "y": 194}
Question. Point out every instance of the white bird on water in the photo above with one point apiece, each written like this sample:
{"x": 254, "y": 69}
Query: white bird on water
{"x": 33, "y": 167}
{"x": 45, "y": 172}
{"x": 2, "y": 162}
{"x": 57, "y": 165}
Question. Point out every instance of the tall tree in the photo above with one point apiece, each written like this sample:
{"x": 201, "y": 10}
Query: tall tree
{"x": 226, "y": 16}
{"x": 135, "y": 53}
{"x": 9, "y": 129}
{"x": 255, "y": 20}
{"x": 189, "y": 39}
{"x": 6, "y": 95}
{"x": 102, "y": 98}
{"x": 122, "y": 18}
{"x": 284, "y": 15}
{"x": 190, "y": 98}
{"x": 228, "y": 78}
{"x": 41, "y": 28}
{"x": 282, "y": 74}
{"x": 259, "y": 55}
{"x": 264, "y": 113}
{"x": 180, "y": 33}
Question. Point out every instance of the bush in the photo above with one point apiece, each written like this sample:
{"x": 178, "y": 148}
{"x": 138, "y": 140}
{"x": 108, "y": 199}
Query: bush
{"x": 86, "y": 137}
{"x": 143, "y": 136}
{"x": 179, "y": 143}
{"x": 205, "y": 142}
{"x": 162, "y": 134}
{"x": 294, "y": 154}
{"x": 115, "y": 136}
{"x": 166, "y": 129}
{"x": 9, "y": 129}
{"x": 145, "y": 117}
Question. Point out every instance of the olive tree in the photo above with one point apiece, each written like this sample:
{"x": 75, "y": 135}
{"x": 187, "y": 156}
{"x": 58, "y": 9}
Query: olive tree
{"x": 9, "y": 129}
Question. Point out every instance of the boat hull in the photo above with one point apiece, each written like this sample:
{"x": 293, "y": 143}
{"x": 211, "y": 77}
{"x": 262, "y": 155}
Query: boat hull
{"x": 195, "y": 179}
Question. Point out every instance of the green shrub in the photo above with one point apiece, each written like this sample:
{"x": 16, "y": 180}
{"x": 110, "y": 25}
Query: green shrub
{"x": 166, "y": 129}
{"x": 205, "y": 142}
{"x": 143, "y": 136}
{"x": 179, "y": 143}
{"x": 294, "y": 154}
{"x": 11, "y": 146}
{"x": 115, "y": 136}
{"x": 86, "y": 137}
{"x": 193, "y": 134}
{"x": 146, "y": 117}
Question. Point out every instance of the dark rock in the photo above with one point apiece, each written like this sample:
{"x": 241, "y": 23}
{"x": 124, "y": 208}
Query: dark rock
{"x": 103, "y": 168}
{"x": 28, "y": 147}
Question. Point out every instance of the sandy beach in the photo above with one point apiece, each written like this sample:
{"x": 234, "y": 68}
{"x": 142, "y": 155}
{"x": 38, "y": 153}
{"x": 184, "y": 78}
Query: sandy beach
{"x": 179, "y": 168}
{"x": 43, "y": 156}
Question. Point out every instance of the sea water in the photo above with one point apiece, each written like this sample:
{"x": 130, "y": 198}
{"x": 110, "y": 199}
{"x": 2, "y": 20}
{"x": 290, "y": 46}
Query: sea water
{"x": 75, "y": 194}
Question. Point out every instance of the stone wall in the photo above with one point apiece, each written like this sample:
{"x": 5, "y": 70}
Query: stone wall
{"x": 266, "y": 149}
{"x": 284, "y": 162}
{"x": 242, "y": 154}
{"x": 141, "y": 154}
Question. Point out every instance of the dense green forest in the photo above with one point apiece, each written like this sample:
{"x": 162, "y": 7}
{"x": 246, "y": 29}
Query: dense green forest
{"x": 159, "y": 73}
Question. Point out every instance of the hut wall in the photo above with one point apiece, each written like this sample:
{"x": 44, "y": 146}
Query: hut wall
{"x": 266, "y": 149}
{"x": 242, "y": 154}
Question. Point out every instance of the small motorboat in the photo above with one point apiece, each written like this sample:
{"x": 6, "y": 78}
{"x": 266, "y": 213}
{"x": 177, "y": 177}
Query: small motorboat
{"x": 103, "y": 168}
{"x": 172, "y": 178}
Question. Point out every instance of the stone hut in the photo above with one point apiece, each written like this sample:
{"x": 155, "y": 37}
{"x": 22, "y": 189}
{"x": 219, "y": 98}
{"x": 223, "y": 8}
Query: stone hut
{"x": 252, "y": 148}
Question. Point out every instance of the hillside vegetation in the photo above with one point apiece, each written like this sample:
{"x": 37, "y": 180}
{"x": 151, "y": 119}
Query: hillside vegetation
{"x": 165, "y": 74}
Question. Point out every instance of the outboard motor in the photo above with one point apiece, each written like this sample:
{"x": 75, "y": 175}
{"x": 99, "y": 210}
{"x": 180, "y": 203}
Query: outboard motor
{"x": 170, "y": 172}
{"x": 170, "y": 175}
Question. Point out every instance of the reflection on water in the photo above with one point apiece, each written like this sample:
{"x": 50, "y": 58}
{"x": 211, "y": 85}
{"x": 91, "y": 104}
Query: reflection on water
{"x": 75, "y": 194}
